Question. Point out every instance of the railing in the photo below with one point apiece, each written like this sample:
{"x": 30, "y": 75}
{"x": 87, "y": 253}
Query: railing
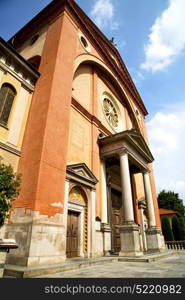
{"x": 175, "y": 245}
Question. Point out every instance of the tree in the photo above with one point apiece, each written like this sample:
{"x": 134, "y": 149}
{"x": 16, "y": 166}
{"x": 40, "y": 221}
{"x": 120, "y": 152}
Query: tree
{"x": 166, "y": 229}
{"x": 176, "y": 228}
{"x": 9, "y": 189}
{"x": 171, "y": 200}
{"x": 182, "y": 228}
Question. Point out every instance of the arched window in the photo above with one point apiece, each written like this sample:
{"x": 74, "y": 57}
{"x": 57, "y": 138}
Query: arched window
{"x": 7, "y": 95}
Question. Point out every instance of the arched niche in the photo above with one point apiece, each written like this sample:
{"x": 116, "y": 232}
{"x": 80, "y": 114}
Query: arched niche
{"x": 92, "y": 62}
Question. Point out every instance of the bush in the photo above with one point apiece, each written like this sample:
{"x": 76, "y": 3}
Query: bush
{"x": 9, "y": 189}
{"x": 182, "y": 228}
{"x": 176, "y": 228}
{"x": 166, "y": 229}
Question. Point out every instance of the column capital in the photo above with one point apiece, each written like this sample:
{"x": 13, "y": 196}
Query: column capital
{"x": 122, "y": 151}
{"x": 146, "y": 171}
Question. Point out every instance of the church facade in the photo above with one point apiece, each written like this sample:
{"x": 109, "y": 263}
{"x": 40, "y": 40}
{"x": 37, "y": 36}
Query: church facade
{"x": 87, "y": 182}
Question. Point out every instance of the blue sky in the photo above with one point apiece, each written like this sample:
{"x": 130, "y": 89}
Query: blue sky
{"x": 150, "y": 36}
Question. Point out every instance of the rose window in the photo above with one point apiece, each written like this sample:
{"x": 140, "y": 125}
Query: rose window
{"x": 110, "y": 113}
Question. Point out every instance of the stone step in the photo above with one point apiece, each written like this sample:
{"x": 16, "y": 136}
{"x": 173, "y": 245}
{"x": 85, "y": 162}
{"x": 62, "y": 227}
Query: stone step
{"x": 148, "y": 257}
{"x": 26, "y": 272}
{"x": 77, "y": 263}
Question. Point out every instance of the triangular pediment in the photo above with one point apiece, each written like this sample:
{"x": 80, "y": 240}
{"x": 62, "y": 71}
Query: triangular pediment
{"x": 82, "y": 171}
{"x": 139, "y": 141}
{"x": 127, "y": 139}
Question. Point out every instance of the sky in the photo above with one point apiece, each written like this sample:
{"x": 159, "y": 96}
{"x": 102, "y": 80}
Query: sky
{"x": 150, "y": 37}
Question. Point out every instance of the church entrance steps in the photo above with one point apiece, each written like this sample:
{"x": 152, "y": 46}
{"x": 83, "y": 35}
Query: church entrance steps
{"x": 148, "y": 257}
{"x": 77, "y": 263}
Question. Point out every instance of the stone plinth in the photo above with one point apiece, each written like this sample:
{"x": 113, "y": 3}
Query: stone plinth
{"x": 2, "y": 262}
{"x": 106, "y": 238}
{"x": 155, "y": 240}
{"x": 130, "y": 240}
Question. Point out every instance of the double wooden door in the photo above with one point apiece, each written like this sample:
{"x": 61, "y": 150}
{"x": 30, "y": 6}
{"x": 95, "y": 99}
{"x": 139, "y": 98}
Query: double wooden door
{"x": 72, "y": 234}
{"x": 116, "y": 216}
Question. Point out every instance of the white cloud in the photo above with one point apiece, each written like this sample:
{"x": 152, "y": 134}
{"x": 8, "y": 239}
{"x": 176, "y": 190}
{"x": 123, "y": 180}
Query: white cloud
{"x": 166, "y": 40}
{"x": 103, "y": 14}
{"x": 166, "y": 135}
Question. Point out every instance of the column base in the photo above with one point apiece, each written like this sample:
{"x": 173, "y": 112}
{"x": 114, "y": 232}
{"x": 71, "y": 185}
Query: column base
{"x": 106, "y": 229}
{"x": 155, "y": 240}
{"x": 130, "y": 240}
{"x": 2, "y": 262}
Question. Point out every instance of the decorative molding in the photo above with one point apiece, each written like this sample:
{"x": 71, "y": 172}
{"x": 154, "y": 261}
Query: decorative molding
{"x": 82, "y": 174}
{"x": 10, "y": 149}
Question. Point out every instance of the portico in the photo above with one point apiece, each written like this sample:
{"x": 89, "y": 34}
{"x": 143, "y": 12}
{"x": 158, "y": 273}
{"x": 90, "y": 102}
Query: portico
{"x": 130, "y": 152}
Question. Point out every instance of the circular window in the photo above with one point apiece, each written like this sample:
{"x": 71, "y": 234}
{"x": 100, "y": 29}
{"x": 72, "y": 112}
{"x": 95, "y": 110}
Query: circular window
{"x": 84, "y": 42}
{"x": 111, "y": 113}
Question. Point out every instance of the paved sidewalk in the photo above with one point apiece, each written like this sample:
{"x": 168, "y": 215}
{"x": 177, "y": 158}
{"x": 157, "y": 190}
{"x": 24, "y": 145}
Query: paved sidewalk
{"x": 170, "y": 267}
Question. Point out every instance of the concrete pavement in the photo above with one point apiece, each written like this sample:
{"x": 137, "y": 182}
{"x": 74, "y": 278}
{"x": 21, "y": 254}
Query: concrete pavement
{"x": 169, "y": 267}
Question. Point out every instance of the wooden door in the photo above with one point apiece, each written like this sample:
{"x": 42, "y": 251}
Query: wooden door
{"x": 116, "y": 219}
{"x": 72, "y": 234}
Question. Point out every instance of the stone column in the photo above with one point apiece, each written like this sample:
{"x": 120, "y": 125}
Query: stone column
{"x": 142, "y": 206}
{"x": 154, "y": 238}
{"x": 150, "y": 205}
{"x": 105, "y": 226}
{"x": 129, "y": 231}
{"x": 104, "y": 193}
{"x": 126, "y": 189}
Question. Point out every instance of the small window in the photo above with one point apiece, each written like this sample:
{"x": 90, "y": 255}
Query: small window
{"x": 7, "y": 95}
{"x": 84, "y": 42}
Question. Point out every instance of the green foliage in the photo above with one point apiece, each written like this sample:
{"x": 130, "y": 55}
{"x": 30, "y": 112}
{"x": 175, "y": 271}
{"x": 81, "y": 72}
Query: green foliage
{"x": 166, "y": 229}
{"x": 9, "y": 189}
{"x": 182, "y": 228}
{"x": 170, "y": 200}
{"x": 176, "y": 228}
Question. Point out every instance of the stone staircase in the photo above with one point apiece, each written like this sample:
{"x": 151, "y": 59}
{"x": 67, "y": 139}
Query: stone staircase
{"x": 14, "y": 271}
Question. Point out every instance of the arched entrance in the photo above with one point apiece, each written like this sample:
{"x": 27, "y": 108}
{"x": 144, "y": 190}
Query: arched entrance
{"x": 77, "y": 223}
